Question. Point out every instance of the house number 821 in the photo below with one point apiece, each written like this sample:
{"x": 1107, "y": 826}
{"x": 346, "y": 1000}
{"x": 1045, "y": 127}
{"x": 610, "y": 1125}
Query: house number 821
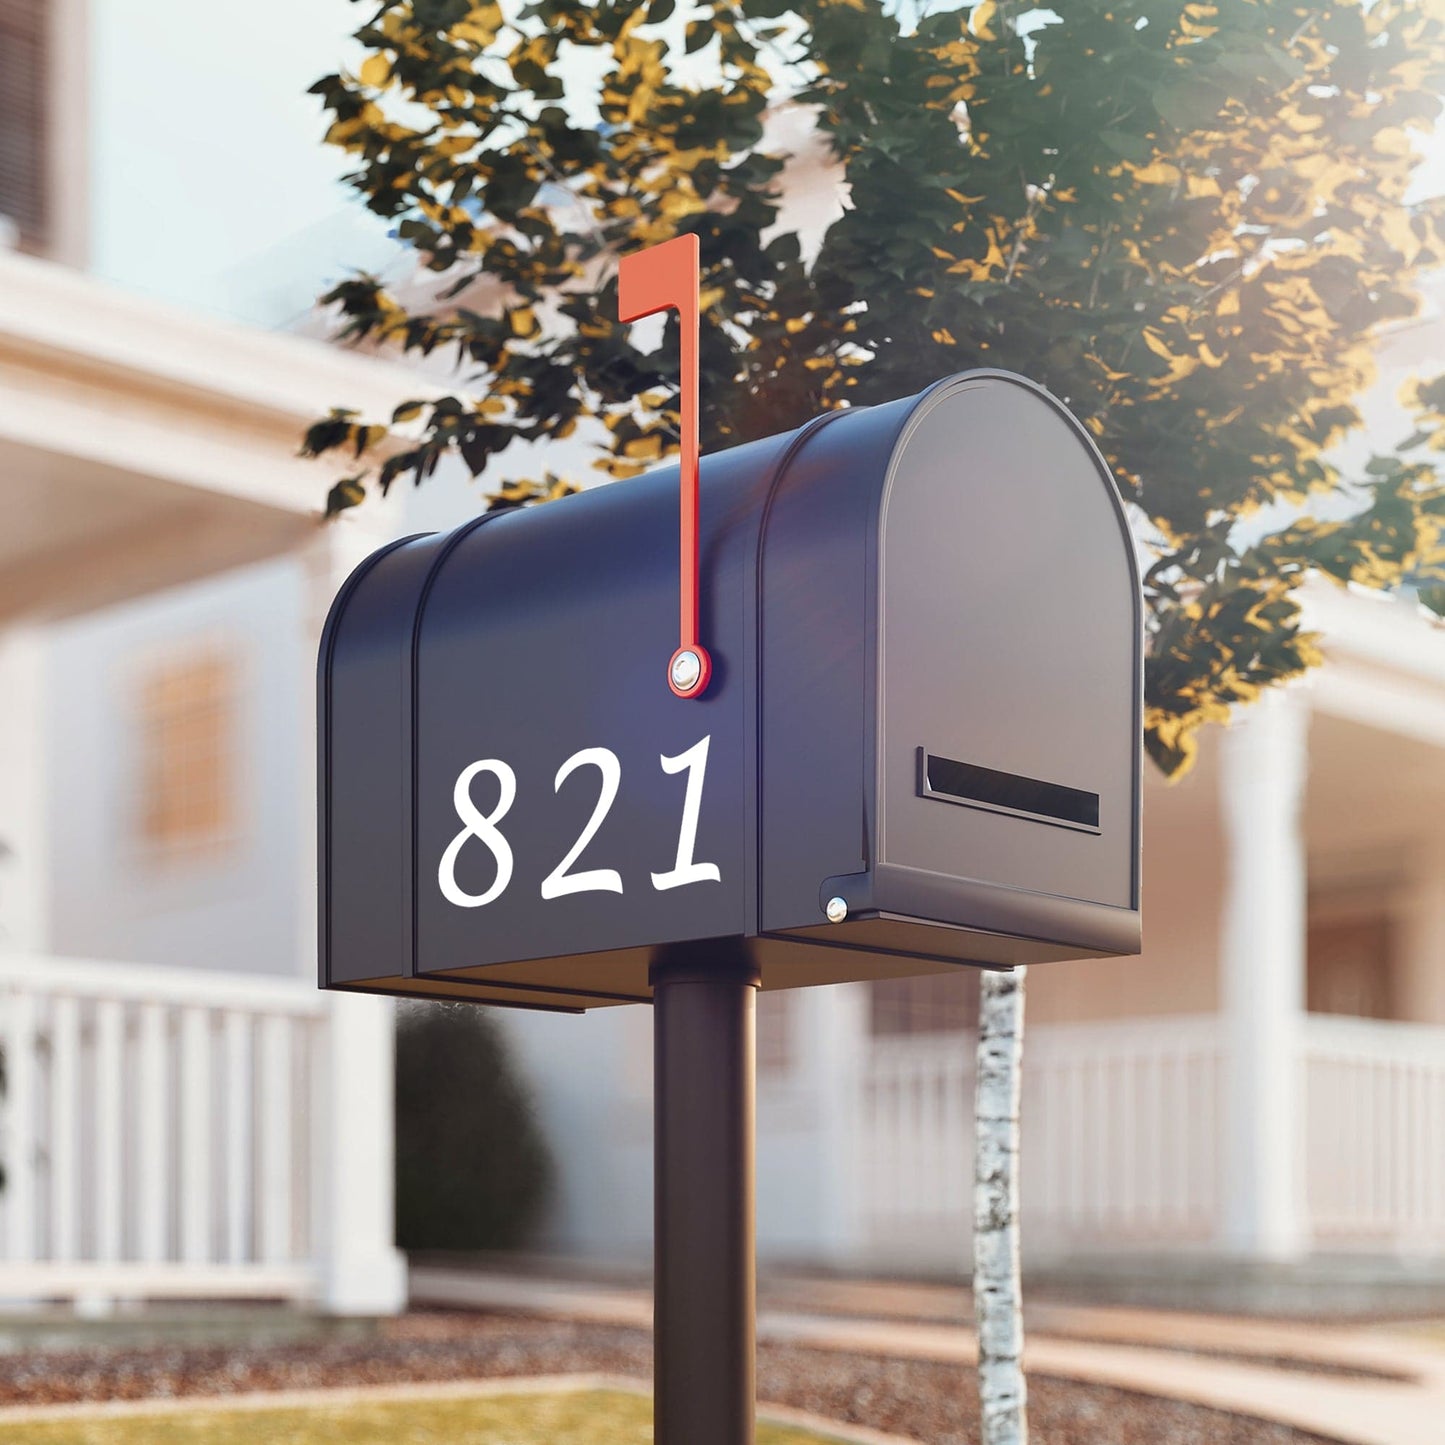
{"x": 561, "y": 880}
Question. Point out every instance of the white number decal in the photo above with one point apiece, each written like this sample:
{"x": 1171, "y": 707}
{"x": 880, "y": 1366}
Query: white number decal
{"x": 604, "y": 880}
{"x": 482, "y": 827}
{"x": 559, "y": 882}
{"x": 685, "y": 870}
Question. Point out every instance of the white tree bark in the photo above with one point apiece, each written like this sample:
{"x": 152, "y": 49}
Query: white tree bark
{"x": 997, "y": 1292}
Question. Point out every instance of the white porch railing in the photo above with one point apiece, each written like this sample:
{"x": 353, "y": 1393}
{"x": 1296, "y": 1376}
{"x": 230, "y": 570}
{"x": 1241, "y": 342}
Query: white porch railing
{"x": 1120, "y": 1136}
{"x": 1123, "y": 1138}
{"x": 159, "y": 1131}
{"x": 914, "y": 1155}
{"x": 1375, "y": 1141}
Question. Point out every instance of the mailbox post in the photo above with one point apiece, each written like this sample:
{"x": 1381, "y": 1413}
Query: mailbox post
{"x": 704, "y": 1009}
{"x": 916, "y": 747}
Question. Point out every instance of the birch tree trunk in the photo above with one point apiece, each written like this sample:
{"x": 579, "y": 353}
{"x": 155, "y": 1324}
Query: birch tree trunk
{"x": 997, "y": 1292}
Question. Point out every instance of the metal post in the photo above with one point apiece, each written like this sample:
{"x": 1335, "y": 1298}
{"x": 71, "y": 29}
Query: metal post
{"x": 704, "y": 1010}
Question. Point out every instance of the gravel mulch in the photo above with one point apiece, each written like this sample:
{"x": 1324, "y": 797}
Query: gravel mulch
{"x": 934, "y": 1403}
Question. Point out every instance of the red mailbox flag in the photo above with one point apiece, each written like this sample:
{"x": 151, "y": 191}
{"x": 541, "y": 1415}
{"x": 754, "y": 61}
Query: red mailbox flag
{"x": 664, "y": 278}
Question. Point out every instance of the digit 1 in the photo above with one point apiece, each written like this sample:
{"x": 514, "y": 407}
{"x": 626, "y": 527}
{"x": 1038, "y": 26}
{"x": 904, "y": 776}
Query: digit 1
{"x": 666, "y": 278}
{"x": 685, "y": 870}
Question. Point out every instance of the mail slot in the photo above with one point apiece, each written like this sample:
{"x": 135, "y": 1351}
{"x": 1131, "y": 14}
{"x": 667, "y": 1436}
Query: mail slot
{"x": 919, "y": 747}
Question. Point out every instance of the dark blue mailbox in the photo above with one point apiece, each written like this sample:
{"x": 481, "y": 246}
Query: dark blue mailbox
{"x": 919, "y": 747}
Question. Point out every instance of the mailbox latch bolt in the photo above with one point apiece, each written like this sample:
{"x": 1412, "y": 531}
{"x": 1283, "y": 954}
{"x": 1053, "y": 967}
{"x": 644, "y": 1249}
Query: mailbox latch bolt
{"x": 837, "y": 910}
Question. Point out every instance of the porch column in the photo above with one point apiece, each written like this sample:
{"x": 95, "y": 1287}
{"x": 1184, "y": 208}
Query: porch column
{"x": 24, "y": 874}
{"x": 1262, "y": 978}
{"x": 363, "y": 1271}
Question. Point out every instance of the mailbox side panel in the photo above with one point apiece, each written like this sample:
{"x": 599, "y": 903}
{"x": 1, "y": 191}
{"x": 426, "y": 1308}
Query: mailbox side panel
{"x": 366, "y": 763}
{"x": 615, "y": 811}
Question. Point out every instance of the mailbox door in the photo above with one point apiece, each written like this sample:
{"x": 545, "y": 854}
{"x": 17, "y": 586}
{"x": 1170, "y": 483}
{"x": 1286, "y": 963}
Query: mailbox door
{"x": 1009, "y": 662}
{"x": 955, "y": 572}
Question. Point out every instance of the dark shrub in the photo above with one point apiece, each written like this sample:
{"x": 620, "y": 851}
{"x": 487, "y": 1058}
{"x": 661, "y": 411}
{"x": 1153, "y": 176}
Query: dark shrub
{"x": 472, "y": 1168}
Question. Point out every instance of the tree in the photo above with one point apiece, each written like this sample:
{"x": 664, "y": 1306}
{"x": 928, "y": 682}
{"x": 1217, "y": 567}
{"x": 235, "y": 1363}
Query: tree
{"x": 1188, "y": 220}
{"x": 997, "y": 1293}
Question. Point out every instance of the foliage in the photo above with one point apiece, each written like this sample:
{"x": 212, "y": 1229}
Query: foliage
{"x": 472, "y": 1168}
{"x": 1188, "y": 220}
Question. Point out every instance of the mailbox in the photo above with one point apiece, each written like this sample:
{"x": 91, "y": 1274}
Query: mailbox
{"x": 919, "y": 746}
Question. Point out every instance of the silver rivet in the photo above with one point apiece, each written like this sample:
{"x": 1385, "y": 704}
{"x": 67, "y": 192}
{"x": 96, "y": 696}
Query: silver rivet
{"x": 837, "y": 910}
{"x": 686, "y": 669}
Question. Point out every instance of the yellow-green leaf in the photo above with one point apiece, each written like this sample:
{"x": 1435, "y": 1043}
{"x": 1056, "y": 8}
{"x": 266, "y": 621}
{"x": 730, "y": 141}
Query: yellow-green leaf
{"x": 375, "y": 71}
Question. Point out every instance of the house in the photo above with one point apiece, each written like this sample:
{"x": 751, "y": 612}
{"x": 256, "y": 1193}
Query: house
{"x": 185, "y": 1115}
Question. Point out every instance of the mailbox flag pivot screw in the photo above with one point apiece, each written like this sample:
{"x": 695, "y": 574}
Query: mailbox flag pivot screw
{"x": 837, "y": 910}
{"x": 685, "y": 671}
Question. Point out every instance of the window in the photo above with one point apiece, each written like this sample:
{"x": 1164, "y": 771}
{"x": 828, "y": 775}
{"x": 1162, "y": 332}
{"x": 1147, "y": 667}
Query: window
{"x": 187, "y": 763}
{"x": 23, "y": 68}
{"x": 934, "y": 1003}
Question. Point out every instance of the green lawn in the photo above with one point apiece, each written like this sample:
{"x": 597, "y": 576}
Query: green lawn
{"x": 590, "y": 1418}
